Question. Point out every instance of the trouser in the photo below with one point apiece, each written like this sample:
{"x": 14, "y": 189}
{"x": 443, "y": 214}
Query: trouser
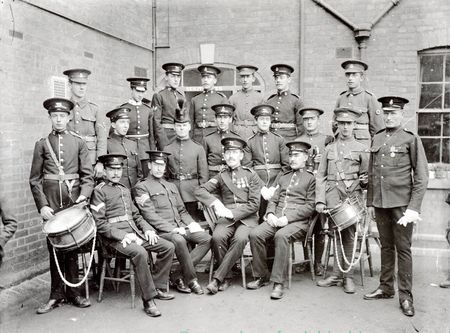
{"x": 395, "y": 241}
{"x": 139, "y": 254}
{"x": 192, "y": 209}
{"x": 187, "y": 259}
{"x": 282, "y": 236}
{"x": 347, "y": 237}
{"x": 228, "y": 243}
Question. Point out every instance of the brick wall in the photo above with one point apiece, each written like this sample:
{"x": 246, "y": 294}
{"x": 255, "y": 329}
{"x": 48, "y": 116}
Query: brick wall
{"x": 37, "y": 45}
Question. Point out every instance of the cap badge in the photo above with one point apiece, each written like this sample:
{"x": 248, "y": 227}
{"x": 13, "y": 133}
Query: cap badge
{"x": 350, "y": 66}
{"x": 391, "y": 102}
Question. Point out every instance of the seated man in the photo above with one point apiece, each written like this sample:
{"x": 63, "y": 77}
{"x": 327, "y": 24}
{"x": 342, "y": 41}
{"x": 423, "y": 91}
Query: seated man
{"x": 161, "y": 205}
{"x": 239, "y": 189}
{"x": 287, "y": 218}
{"x": 122, "y": 228}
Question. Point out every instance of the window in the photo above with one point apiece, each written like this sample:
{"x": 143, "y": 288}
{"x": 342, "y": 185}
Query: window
{"x": 434, "y": 104}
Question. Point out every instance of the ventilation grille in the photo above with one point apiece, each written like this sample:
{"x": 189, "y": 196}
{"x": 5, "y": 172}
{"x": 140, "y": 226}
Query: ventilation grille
{"x": 59, "y": 86}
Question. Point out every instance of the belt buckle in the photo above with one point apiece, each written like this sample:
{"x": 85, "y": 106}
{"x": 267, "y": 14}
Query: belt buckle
{"x": 182, "y": 177}
{"x": 202, "y": 124}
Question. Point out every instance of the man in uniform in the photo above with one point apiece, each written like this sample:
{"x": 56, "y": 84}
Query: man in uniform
{"x": 342, "y": 174}
{"x": 122, "y": 228}
{"x": 61, "y": 175}
{"x": 318, "y": 141}
{"x": 266, "y": 153}
{"x": 187, "y": 167}
{"x": 237, "y": 210}
{"x": 161, "y": 205}
{"x": 287, "y": 218}
{"x": 211, "y": 141}
{"x": 398, "y": 178}
{"x": 144, "y": 129}
{"x": 356, "y": 97}
{"x": 286, "y": 121}
{"x": 169, "y": 99}
{"x": 119, "y": 144}
{"x": 243, "y": 100}
{"x": 86, "y": 119}
{"x": 8, "y": 225}
{"x": 201, "y": 113}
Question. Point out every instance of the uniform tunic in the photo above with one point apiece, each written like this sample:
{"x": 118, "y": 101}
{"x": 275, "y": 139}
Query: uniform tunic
{"x": 318, "y": 141}
{"x": 202, "y": 116}
{"x": 8, "y": 225}
{"x": 89, "y": 122}
{"x": 132, "y": 169}
{"x": 166, "y": 102}
{"x": 286, "y": 120}
{"x": 244, "y": 122}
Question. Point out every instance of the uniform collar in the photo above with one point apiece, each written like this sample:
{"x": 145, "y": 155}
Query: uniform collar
{"x": 222, "y": 132}
{"x": 81, "y": 103}
{"x": 133, "y": 102}
{"x": 263, "y": 133}
{"x": 355, "y": 91}
{"x": 54, "y": 132}
{"x": 316, "y": 133}
{"x": 246, "y": 91}
{"x": 116, "y": 136}
{"x": 283, "y": 93}
{"x": 173, "y": 89}
{"x": 209, "y": 91}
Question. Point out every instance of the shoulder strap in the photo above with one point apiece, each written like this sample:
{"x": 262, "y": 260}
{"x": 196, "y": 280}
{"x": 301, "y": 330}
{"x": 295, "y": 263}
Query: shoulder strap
{"x": 53, "y": 155}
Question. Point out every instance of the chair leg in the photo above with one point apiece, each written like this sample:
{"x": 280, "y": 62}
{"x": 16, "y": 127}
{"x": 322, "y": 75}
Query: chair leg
{"x": 291, "y": 254}
{"x": 311, "y": 260}
{"x": 132, "y": 285}
{"x": 211, "y": 267}
{"x": 361, "y": 265}
{"x": 369, "y": 257}
{"x": 244, "y": 282}
{"x": 86, "y": 283}
{"x": 327, "y": 256}
{"x": 102, "y": 281}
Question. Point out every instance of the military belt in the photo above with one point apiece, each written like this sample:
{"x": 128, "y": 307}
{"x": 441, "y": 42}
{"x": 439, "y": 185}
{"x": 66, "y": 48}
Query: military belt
{"x": 282, "y": 125}
{"x": 89, "y": 138}
{"x": 362, "y": 126}
{"x": 246, "y": 122}
{"x": 267, "y": 166}
{"x": 185, "y": 176}
{"x": 122, "y": 218}
{"x": 205, "y": 124}
{"x": 136, "y": 136}
{"x": 348, "y": 176}
{"x": 61, "y": 178}
{"x": 217, "y": 167}
{"x": 167, "y": 125}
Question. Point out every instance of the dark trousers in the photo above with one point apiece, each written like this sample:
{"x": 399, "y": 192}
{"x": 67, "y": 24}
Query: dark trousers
{"x": 347, "y": 237}
{"x": 187, "y": 259}
{"x": 395, "y": 238}
{"x": 228, "y": 243}
{"x": 192, "y": 209}
{"x": 258, "y": 239}
{"x": 139, "y": 254}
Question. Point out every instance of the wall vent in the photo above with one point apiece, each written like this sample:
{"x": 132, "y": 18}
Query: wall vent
{"x": 59, "y": 86}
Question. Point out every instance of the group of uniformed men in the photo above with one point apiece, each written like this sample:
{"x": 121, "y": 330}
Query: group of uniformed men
{"x": 263, "y": 167}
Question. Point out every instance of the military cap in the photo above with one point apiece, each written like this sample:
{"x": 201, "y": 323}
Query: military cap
{"x": 308, "y": 112}
{"x": 118, "y": 113}
{"x": 246, "y": 69}
{"x": 173, "y": 67}
{"x": 233, "y": 143}
{"x": 209, "y": 69}
{"x": 181, "y": 115}
{"x": 138, "y": 83}
{"x": 262, "y": 110}
{"x": 157, "y": 156}
{"x": 354, "y": 66}
{"x": 223, "y": 109}
{"x": 112, "y": 160}
{"x": 298, "y": 145}
{"x": 58, "y": 105}
{"x": 79, "y": 75}
{"x": 347, "y": 114}
{"x": 392, "y": 103}
{"x": 282, "y": 69}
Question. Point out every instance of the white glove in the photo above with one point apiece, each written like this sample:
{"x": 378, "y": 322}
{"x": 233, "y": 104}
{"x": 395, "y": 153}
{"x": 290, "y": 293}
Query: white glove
{"x": 180, "y": 231}
{"x": 195, "y": 227}
{"x": 267, "y": 193}
{"x": 409, "y": 216}
{"x": 282, "y": 221}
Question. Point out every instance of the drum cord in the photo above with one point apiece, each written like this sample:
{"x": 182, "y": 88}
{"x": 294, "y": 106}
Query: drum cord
{"x": 75, "y": 285}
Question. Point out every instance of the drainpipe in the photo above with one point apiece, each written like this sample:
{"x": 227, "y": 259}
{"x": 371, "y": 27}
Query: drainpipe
{"x": 154, "y": 44}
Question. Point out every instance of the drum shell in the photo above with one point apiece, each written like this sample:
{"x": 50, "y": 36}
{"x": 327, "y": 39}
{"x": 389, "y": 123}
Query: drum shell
{"x": 344, "y": 215}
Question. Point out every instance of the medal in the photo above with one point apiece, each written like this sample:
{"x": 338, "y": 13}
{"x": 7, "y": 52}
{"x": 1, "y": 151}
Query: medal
{"x": 393, "y": 150}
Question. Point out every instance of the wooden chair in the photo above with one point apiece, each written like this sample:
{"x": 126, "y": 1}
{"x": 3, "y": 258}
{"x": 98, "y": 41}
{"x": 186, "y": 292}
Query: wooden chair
{"x": 308, "y": 244}
{"x": 117, "y": 274}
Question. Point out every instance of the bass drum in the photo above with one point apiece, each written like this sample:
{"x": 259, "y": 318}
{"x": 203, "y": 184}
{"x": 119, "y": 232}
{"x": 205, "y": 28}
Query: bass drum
{"x": 70, "y": 228}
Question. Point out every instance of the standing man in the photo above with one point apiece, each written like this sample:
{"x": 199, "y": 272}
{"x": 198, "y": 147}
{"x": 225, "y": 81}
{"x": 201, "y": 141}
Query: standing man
{"x": 342, "y": 174}
{"x": 186, "y": 166}
{"x": 239, "y": 189}
{"x": 201, "y": 113}
{"x": 9, "y": 225}
{"x": 212, "y": 141}
{"x": 144, "y": 129}
{"x": 286, "y": 120}
{"x": 122, "y": 228}
{"x": 266, "y": 153}
{"x": 318, "y": 141}
{"x": 161, "y": 205}
{"x": 398, "y": 178}
{"x": 356, "y": 97}
{"x": 61, "y": 175}
{"x": 86, "y": 119}
{"x": 245, "y": 99}
{"x": 287, "y": 218}
{"x": 119, "y": 144}
{"x": 169, "y": 99}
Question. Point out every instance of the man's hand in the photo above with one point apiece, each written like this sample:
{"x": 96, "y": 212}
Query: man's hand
{"x": 282, "y": 221}
{"x": 195, "y": 227}
{"x": 81, "y": 198}
{"x": 272, "y": 220}
{"x": 320, "y": 207}
{"x": 228, "y": 214}
{"x": 317, "y": 158}
{"x": 267, "y": 193}
{"x": 180, "y": 231}
{"x": 47, "y": 213}
{"x": 151, "y": 237}
{"x": 99, "y": 170}
{"x": 127, "y": 239}
{"x": 409, "y": 216}
{"x": 371, "y": 212}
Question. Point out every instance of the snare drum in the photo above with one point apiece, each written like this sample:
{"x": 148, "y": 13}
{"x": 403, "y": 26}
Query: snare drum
{"x": 70, "y": 228}
{"x": 347, "y": 213}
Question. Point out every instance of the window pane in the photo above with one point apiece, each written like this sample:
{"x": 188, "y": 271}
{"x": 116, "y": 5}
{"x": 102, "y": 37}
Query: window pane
{"x": 446, "y": 151}
{"x": 447, "y": 96}
{"x": 191, "y": 77}
{"x": 226, "y": 78}
{"x": 430, "y": 96}
{"x": 447, "y": 68}
{"x": 432, "y": 67}
{"x": 446, "y": 124}
{"x": 429, "y": 124}
{"x": 431, "y": 147}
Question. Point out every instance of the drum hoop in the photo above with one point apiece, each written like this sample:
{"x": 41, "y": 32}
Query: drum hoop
{"x": 74, "y": 227}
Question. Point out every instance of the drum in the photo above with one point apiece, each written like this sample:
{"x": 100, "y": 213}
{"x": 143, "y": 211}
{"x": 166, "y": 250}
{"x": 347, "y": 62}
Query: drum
{"x": 70, "y": 228}
{"x": 347, "y": 213}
